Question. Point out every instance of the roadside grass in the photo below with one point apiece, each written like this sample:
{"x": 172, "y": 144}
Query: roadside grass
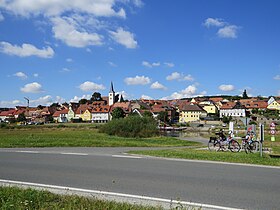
{"x": 22, "y": 199}
{"x": 195, "y": 154}
{"x": 73, "y": 137}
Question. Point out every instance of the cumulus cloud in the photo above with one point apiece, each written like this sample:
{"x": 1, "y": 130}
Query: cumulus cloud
{"x": 226, "y": 87}
{"x": 91, "y": 86}
{"x": 277, "y": 77}
{"x": 1, "y": 17}
{"x": 179, "y": 77}
{"x": 10, "y": 103}
{"x": 112, "y": 64}
{"x": 138, "y": 80}
{"x": 78, "y": 98}
{"x": 146, "y": 97}
{"x": 168, "y": 64}
{"x": 157, "y": 85}
{"x": 35, "y": 75}
{"x": 65, "y": 30}
{"x": 228, "y": 32}
{"x": 150, "y": 65}
{"x": 217, "y": 22}
{"x": 124, "y": 38}
{"x": 34, "y": 87}
{"x": 54, "y": 8}
{"x": 69, "y": 60}
{"x": 26, "y": 50}
{"x": 21, "y": 75}
{"x": 188, "y": 92}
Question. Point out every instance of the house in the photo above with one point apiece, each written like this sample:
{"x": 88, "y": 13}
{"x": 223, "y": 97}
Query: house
{"x": 171, "y": 111}
{"x": 8, "y": 115}
{"x": 100, "y": 114}
{"x": 273, "y": 104}
{"x": 191, "y": 113}
{"x": 233, "y": 109}
{"x": 60, "y": 116}
{"x": 210, "y": 107}
{"x": 125, "y": 106}
{"x": 84, "y": 112}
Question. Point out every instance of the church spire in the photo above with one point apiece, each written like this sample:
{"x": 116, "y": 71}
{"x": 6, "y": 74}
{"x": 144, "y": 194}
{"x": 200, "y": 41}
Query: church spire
{"x": 112, "y": 88}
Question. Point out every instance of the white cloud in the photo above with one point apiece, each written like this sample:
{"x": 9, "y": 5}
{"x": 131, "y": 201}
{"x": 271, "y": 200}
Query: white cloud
{"x": 77, "y": 98}
{"x": 34, "y": 87}
{"x": 226, "y": 87}
{"x": 138, "y": 80}
{"x": 188, "y": 92}
{"x": 1, "y": 17}
{"x": 97, "y": 8}
{"x": 65, "y": 30}
{"x": 125, "y": 95}
{"x": 157, "y": 85}
{"x": 124, "y": 38}
{"x": 112, "y": 64}
{"x": 277, "y": 77}
{"x": 35, "y": 75}
{"x": 45, "y": 100}
{"x": 179, "y": 77}
{"x": 146, "y": 97}
{"x": 10, "y": 103}
{"x": 217, "y": 22}
{"x": 138, "y": 3}
{"x": 91, "y": 86}
{"x": 170, "y": 65}
{"x": 21, "y": 75}
{"x": 150, "y": 65}
{"x": 69, "y": 60}
{"x": 26, "y": 50}
{"x": 65, "y": 70}
{"x": 228, "y": 32}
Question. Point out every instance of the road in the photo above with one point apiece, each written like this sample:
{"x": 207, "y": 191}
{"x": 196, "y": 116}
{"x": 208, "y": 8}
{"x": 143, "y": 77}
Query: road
{"x": 107, "y": 169}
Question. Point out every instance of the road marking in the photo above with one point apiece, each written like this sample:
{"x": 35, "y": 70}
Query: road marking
{"x": 73, "y": 153}
{"x": 126, "y": 156}
{"x": 111, "y": 195}
{"x": 26, "y": 151}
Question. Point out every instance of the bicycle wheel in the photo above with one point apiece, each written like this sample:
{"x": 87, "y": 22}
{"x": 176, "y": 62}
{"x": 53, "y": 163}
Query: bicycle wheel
{"x": 247, "y": 148}
{"x": 234, "y": 146}
{"x": 214, "y": 146}
{"x": 254, "y": 146}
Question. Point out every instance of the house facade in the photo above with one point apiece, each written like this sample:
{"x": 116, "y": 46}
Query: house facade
{"x": 191, "y": 113}
{"x": 233, "y": 109}
{"x": 100, "y": 114}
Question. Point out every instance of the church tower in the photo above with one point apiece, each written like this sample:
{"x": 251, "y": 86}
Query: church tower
{"x": 111, "y": 95}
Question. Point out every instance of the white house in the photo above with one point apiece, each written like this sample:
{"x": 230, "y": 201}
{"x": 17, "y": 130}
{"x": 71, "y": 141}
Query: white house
{"x": 100, "y": 114}
{"x": 233, "y": 109}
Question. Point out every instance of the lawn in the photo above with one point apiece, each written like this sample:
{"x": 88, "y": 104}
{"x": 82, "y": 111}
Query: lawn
{"x": 22, "y": 199}
{"x": 84, "y": 136}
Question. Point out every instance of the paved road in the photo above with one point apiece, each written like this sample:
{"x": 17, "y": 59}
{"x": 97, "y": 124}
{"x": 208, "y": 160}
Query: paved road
{"x": 107, "y": 169}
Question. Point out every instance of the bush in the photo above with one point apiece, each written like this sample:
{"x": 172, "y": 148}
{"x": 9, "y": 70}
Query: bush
{"x": 132, "y": 126}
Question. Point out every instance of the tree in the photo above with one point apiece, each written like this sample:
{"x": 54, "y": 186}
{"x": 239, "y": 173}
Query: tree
{"x": 55, "y": 105}
{"x": 117, "y": 98}
{"x": 163, "y": 116}
{"x": 21, "y": 117}
{"x": 40, "y": 107}
{"x": 244, "y": 95}
{"x": 226, "y": 119}
{"x": 147, "y": 114}
{"x": 83, "y": 101}
{"x": 96, "y": 96}
{"x": 118, "y": 113}
{"x": 122, "y": 100}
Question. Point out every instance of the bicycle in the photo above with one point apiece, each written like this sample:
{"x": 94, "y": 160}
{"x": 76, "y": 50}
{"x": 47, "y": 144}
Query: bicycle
{"x": 251, "y": 146}
{"x": 216, "y": 144}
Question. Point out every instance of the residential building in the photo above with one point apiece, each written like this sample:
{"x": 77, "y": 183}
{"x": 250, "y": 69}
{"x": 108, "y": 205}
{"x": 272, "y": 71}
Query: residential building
{"x": 233, "y": 109}
{"x": 191, "y": 113}
{"x": 101, "y": 114}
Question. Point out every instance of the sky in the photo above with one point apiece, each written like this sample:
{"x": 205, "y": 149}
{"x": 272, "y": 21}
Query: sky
{"x": 65, "y": 50}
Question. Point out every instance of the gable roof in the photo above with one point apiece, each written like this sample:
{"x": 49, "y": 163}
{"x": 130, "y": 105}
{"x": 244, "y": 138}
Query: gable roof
{"x": 193, "y": 107}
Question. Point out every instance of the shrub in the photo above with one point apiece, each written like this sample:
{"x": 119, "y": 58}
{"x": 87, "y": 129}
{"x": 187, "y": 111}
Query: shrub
{"x": 132, "y": 126}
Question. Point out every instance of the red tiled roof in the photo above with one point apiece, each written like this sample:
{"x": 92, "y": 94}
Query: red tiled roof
{"x": 101, "y": 109}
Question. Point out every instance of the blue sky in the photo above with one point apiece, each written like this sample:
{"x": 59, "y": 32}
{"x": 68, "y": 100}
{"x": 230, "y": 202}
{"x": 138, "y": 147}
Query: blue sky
{"x": 64, "y": 50}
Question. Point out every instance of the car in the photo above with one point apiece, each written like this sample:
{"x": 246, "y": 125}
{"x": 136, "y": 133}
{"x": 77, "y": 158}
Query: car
{"x": 224, "y": 125}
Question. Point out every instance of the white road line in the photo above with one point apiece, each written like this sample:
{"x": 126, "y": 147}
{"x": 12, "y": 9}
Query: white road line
{"x": 126, "y": 156}
{"x": 26, "y": 151}
{"x": 73, "y": 153}
{"x": 110, "y": 195}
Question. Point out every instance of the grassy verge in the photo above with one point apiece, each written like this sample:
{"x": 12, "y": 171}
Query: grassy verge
{"x": 194, "y": 154}
{"x": 16, "y": 198}
{"x": 73, "y": 137}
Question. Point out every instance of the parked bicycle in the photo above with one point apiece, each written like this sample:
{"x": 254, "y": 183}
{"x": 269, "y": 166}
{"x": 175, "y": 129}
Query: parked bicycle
{"x": 218, "y": 143}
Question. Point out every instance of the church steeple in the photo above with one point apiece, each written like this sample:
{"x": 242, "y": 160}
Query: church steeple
{"x": 111, "y": 95}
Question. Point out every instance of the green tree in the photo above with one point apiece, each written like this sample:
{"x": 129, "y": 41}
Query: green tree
{"x": 121, "y": 99}
{"x": 40, "y": 107}
{"x": 96, "y": 96}
{"x": 118, "y": 113}
{"x": 163, "y": 116}
{"x": 21, "y": 117}
{"x": 147, "y": 114}
{"x": 244, "y": 95}
{"x": 226, "y": 119}
{"x": 83, "y": 101}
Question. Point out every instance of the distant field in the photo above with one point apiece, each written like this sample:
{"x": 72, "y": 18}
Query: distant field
{"x": 74, "y": 135}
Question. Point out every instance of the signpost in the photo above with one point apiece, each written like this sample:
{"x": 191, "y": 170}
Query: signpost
{"x": 261, "y": 137}
{"x": 272, "y": 130}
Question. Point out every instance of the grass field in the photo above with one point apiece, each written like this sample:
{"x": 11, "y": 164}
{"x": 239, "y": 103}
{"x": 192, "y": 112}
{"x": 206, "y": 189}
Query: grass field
{"x": 15, "y": 198}
{"x": 84, "y": 136}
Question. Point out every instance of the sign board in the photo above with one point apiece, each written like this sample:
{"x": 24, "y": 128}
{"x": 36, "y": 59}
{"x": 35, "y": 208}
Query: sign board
{"x": 272, "y": 138}
{"x": 272, "y": 132}
{"x": 272, "y": 125}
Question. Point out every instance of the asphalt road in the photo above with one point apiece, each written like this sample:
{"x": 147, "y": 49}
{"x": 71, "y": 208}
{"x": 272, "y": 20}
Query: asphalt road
{"x": 107, "y": 169}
